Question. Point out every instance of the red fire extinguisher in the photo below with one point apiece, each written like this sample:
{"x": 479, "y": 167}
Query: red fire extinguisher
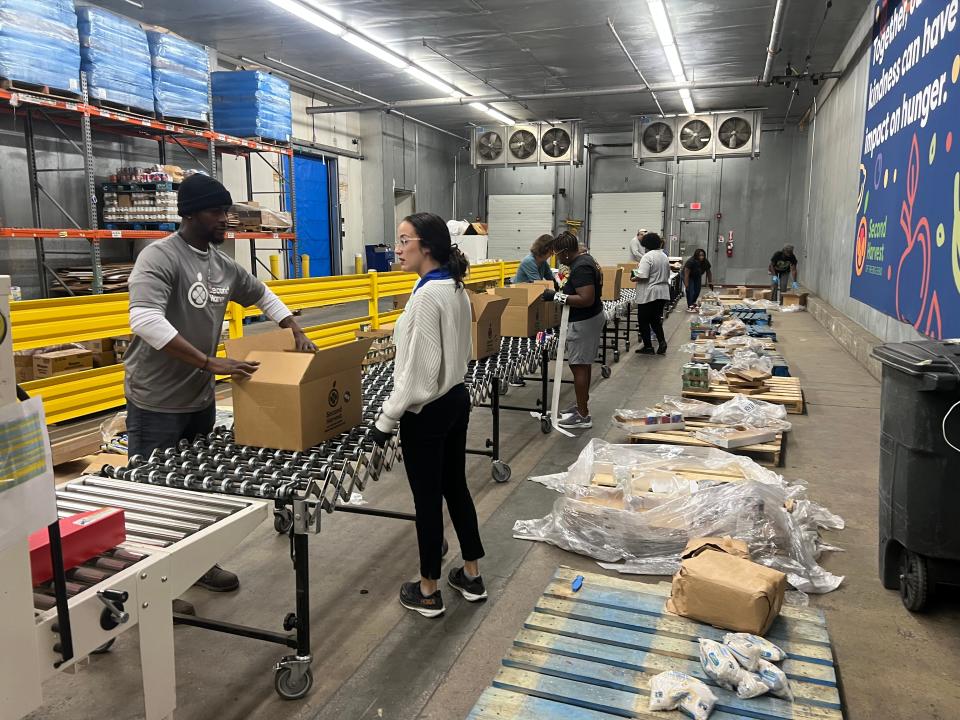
{"x": 730, "y": 244}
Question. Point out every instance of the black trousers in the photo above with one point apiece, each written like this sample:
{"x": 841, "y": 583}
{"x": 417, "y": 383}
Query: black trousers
{"x": 148, "y": 430}
{"x": 435, "y": 456}
{"x": 651, "y": 318}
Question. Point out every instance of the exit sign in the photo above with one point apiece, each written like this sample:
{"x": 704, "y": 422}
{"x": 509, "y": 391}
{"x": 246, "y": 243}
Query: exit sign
{"x": 695, "y": 206}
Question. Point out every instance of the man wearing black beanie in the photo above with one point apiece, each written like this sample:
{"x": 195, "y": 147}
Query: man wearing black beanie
{"x": 179, "y": 290}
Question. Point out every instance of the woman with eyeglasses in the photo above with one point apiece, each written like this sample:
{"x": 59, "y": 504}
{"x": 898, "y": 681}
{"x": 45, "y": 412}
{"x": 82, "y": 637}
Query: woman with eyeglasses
{"x": 430, "y": 406}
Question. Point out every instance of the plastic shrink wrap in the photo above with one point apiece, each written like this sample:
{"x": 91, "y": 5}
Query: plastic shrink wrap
{"x": 181, "y": 72}
{"x": 252, "y": 103}
{"x": 116, "y": 58}
{"x": 39, "y": 43}
{"x": 634, "y": 507}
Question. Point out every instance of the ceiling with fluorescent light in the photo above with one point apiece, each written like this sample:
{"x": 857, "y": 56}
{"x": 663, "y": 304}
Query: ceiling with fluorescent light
{"x": 518, "y": 46}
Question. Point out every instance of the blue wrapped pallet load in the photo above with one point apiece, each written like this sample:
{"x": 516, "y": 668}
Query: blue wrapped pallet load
{"x": 39, "y": 43}
{"x": 116, "y": 58}
{"x": 181, "y": 71}
{"x": 250, "y": 103}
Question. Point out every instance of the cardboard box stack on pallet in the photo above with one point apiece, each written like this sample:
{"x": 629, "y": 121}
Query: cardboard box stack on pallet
{"x": 250, "y": 216}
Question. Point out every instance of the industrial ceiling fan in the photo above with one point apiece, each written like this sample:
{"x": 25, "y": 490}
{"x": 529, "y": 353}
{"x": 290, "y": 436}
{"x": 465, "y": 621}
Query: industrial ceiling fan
{"x": 657, "y": 137}
{"x": 734, "y": 132}
{"x": 489, "y": 146}
{"x": 523, "y": 144}
{"x": 555, "y": 142}
{"x": 695, "y": 135}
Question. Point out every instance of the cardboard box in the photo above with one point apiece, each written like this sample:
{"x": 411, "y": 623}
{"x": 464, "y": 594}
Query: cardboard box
{"x": 486, "y": 311}
{"x": 612, "y": 281}
{"x": 104, "y": 359}
{"x": 104, "y": 345}
{"x": 742, "y": 291}
{"x": 628, "y": 268}
{"x": 60, "y": 362}
{"x": 383, "y": 349}
{"x": 727, "y": 544}
{"x": 761, "y": 294}
{"x": 791, "y": 299}
{"x": 729, "y": 592}
{"x": 729, "y": 438}
{"x": 295, "y": 400}
{"x": 23, "y": 366}
{"x": 400, "y": 301}
{"x": 524, "y": 314}
{"x": 552, "y": 313}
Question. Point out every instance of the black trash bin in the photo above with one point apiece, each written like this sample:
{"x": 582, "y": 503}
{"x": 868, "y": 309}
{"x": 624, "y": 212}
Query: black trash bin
{"x": 919, "y": 471}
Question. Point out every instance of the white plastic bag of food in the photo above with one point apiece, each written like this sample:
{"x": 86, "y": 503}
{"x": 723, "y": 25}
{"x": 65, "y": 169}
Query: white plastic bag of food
{"x": 672, "y": 690}
{"x": 775, "y": 679}
{"x": 720, "y": 664}
{"x": 749, "y": 649}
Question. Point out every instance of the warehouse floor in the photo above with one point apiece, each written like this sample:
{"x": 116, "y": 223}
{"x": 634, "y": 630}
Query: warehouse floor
{"x": 373, "y": 659}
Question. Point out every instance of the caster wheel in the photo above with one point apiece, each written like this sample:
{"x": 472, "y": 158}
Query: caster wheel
{"x": 445, "y": 549}
{"x": 282, "y": 521}
{"x": 288, "y": 689}
{"x": 105, "y": 648}
{"x": 545, "y": 426}
{"x": 605, "y": 371}
{"x": 501, "y": 471}
{"x": 616, "y": 356}
{"x": 915, "y": 588}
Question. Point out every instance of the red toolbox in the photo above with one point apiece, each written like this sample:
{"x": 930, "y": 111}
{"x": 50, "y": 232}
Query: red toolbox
{"x": 83, "y": 536}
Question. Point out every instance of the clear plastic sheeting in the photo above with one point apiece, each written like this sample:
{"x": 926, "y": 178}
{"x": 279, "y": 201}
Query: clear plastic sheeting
{"x": 252, "y": 103}
{"x": 732, "y": 328}
{"x": 181, "y": 72}
{"x": 688, "y": 406}
{"x": 743, "y": 410}
{"x": 39, "y": 43}
{"x": 748, "y": 360}
{"x": 116, "y": 58}
{"x": 630, "y": 524}
{"x": 792, "y": 308}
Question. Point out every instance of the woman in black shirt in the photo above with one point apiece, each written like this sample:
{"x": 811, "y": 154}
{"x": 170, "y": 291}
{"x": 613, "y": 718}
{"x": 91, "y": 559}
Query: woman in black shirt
{"x": 693, "y": 270}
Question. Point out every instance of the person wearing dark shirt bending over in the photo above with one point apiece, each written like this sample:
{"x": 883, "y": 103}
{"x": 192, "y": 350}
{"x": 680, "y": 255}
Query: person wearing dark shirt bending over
{"x": 783, "y": 265}
{"x": 582, "y": 292}
{"x": 534, "y": 267}
{"x": 693, "y": 271}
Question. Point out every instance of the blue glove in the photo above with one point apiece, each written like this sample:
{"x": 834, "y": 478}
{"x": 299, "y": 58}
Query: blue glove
{"x": 774, "y": 280}
{"x": 796, "y": 285}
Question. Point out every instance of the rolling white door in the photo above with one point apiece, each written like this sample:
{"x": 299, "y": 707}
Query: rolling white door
{"x": 514, "y": 222}
{"x": 615, "y": 219}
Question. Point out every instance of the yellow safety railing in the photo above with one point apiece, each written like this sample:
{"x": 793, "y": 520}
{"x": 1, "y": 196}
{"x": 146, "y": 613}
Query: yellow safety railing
{"x": 39, "y": 323}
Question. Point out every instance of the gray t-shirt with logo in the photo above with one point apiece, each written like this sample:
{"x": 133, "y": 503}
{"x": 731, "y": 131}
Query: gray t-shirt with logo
{"x": 192, "y": 290}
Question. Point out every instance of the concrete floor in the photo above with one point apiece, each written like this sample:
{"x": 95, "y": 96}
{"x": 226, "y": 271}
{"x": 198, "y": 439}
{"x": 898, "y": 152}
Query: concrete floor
{"x": 376, "y": 660}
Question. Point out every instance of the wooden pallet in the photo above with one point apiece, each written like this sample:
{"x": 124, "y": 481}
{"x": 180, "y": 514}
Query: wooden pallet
{"x": 772, "y": 454}
{"x": 125, "y": 109}
{"x": 733, "y": 473}
{"x": 35, "y": 89}
{"x": 784, "y": 391}
{"x": 188, "y": 122}
{"x": 590, "y": 655}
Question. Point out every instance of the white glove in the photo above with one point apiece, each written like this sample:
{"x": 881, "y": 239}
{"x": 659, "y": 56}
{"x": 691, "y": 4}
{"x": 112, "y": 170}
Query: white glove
{"x": 560, "y": 298}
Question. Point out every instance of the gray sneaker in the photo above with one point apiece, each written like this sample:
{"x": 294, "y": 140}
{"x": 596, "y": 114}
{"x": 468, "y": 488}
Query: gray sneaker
{"x": 569, "y": 412}
{"x": 576, "y": 422}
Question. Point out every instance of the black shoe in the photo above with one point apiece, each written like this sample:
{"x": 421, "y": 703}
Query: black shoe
{"x": 472, "y": 590}
{"x": 644, "y": 351}
{"x": 216, "y": 579}
{"x": 662, "y": 350}
{"x": 413, "y": 599}
{"x": 182, "y": 607}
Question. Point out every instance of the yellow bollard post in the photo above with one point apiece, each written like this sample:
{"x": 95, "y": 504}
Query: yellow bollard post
{"x": 358, "y": 264}
{"x": 374, "y": 304}
{"x": 275, "y": 267}
{"x": 305, "y": 265}
{"x": 235, "y": 316}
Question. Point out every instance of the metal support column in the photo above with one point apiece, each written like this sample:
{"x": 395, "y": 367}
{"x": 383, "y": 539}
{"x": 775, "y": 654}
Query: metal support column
{"x": 28, "y": 142}
{"x": 295, "y": 245}
{"x": 248, "y": 169}
{"x": 86, "y": 134}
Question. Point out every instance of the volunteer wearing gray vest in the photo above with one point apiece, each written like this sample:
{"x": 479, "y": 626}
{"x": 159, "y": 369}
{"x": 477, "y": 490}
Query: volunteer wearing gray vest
{"x": 179, "y": 290}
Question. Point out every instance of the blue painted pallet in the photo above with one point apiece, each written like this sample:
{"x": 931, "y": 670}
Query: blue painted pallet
{"x": 590, "y": 655}
{"x": 760, "y": 332}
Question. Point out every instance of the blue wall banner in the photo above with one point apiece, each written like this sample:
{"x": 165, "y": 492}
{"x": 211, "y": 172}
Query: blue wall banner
{"x": 906, "y": 261}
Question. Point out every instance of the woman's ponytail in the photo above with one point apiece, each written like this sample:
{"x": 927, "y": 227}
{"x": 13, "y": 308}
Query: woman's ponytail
{"x": 457, "y": 265}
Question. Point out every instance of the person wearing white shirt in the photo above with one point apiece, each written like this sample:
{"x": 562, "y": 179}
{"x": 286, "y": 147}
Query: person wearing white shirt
{"x": 430, "y": 406}
{"x": 636, "y": 247}
{"x": 653, "y": 293}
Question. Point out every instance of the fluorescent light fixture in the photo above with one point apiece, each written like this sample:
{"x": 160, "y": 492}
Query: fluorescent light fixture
{"x": 673, "y": 60}
{"x": 134, "y": 3}
{"x": 497, "y": 115}
{"x": 687, "y": 101}
{"x": 311, "y": 16}
{"x": 480, "y": 106}
{"x": 432, "y": 80}
{"x": 377, "y": 51}
{"x": 660, "y": 21}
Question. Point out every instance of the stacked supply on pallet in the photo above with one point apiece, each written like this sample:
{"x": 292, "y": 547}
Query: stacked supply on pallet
{"x": 39, "y": 43}
{"x": 116, "y": 58}
{"x": 181, "y": 73}
{"x": 251, "y": 103}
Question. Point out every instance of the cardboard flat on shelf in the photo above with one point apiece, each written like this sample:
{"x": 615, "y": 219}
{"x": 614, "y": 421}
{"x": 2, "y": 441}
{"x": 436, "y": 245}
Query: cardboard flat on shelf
{"x": 295, "y": 400}
{"x": 486, "y": 312}
{"x": 729, "y": 592}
